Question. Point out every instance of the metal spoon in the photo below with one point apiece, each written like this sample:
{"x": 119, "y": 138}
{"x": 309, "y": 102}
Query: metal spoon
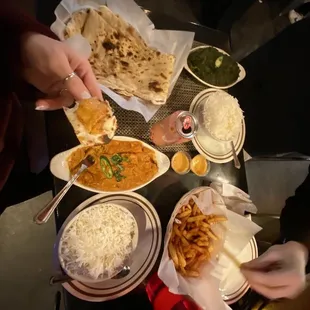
{"x": 236, "y": 160}
{"x": 65, "y": 278}
{"x": 43, "y": 216}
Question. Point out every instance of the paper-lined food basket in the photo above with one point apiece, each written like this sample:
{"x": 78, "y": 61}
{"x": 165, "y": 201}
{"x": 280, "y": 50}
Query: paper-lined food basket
{"x": 235, "y": 234}
{"x": 177, "y": 43}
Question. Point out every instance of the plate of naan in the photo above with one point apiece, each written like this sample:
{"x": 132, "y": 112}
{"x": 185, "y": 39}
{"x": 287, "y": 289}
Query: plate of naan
{"x": 120, "y": 58}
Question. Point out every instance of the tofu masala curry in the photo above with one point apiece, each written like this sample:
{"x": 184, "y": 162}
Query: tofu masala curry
{"x": 119, "y": 165}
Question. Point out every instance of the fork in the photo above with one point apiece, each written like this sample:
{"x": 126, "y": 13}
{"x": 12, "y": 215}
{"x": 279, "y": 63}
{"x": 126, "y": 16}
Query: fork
{"x": 43, "y": 216}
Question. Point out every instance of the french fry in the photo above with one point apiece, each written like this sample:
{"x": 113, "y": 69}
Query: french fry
{"x": 195, "y": 209}
{"x": 183, "y": 271}
{"x": 196, "y": 218}
{"x": 192, "y": 273}
{"x": 192, "y": 233}
{"x": 173, "y": 254}
{"x": 183, "y": 225}
{"x": 190, "y": 260}
{"x": 203, "y": 235}
{"x": 203, "y": 243}
{"x": 217, "y": 219}
{"x": 212, "y": 235}
{"x": 198, "y": 248}
{"x": 184, "y": 241}
{"x": 191, "y": 253}
{"x": 204, "y": 225}
{"x": 184, "y": 214}
{"x": 203, "y": 257}
{"x": 186, "y": 248}
{"x": 181, "y": 258}
{"x": 177, "y": 231}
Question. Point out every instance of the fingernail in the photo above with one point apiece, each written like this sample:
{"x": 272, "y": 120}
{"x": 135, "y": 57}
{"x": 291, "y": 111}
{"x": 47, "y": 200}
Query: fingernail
{"x": 41, "y": 108}
{"x": 85, "y": 95}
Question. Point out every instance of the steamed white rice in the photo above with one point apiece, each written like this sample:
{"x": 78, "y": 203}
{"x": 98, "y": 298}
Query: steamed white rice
{"x": 222, "y": 116}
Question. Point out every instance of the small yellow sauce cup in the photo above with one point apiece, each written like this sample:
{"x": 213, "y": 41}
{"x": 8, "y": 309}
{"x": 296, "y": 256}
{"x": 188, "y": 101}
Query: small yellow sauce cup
{"x": 180, "y": 162}
{"x": 200, "y": 165}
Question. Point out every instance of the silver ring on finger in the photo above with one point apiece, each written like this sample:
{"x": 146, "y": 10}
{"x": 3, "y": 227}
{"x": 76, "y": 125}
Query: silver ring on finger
{"x": 69, "y": 77}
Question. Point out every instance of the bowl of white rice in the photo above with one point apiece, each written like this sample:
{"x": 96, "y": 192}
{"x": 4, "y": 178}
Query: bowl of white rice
{"x": 220, "y": 116}
{"x": 98, "y": 242}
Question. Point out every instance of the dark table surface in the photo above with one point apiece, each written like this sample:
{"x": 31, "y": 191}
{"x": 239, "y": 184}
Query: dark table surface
{"x": 163, "y": 193}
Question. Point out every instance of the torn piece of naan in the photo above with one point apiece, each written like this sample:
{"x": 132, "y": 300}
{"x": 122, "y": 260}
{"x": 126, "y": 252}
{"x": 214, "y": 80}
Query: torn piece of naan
{"x": 120, "y": 58}
{"x": 92, "y": 120}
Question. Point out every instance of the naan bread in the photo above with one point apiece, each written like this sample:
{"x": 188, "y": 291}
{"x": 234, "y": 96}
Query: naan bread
{"x": 120, "y": 58}
{"x": 92, "y": 121}
{"x": 76, "y": 24}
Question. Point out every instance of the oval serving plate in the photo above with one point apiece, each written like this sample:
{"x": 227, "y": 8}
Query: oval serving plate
{"x": 241, "y": 73}
{"x": 60, "y": 169}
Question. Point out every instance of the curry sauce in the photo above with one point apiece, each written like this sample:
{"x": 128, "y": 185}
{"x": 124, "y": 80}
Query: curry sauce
{"x": 119, "y": 165}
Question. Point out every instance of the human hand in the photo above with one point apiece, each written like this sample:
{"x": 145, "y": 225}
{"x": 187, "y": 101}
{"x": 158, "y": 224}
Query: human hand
{"x": 47, "y": 63}
{"x": 279, "y": 272}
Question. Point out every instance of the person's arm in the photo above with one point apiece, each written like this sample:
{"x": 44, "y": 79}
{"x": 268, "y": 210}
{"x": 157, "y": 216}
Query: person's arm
{"x": 15, "y": 24}
{"x": 295, "y": 217}
{"x": 280, "y": 272}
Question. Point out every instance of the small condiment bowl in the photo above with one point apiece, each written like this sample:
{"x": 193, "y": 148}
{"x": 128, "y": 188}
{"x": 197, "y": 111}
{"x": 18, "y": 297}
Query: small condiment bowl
{"x": 200, "y": 157}
{"x": 187, "y": 156}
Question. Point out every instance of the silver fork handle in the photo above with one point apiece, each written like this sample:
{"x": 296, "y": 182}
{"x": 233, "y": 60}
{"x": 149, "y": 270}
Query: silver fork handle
{"x": 43, "y": 216}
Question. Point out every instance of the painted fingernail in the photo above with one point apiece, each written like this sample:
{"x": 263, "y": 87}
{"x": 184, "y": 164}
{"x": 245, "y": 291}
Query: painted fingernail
{"x": 41, "y": 108}
{"x": 85, "y": 95}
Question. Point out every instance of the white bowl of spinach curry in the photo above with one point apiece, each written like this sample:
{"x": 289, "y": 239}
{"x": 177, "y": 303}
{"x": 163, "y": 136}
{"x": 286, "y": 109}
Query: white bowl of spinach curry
{"x": 214, "y": 67}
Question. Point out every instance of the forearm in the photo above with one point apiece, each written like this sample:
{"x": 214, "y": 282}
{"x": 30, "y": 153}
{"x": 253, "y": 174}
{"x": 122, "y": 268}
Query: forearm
{"x": 14, "y": 24}
{"x": 295, "y": 217}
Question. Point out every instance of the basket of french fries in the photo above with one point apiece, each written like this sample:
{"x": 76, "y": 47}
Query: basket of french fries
{"x": 200, "y": 230}
{"x": 193, "y": 239}
{"x": 196, "y": 232}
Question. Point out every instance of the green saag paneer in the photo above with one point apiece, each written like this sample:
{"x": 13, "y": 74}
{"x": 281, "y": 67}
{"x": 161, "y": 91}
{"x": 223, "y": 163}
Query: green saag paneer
{"x": 213, "y": 67}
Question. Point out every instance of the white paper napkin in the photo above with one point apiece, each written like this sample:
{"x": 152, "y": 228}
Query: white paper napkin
{"x": 234, "y": 198}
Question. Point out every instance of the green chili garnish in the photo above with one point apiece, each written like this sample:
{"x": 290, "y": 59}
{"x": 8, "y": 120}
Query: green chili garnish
{"x": 106, "y": 167}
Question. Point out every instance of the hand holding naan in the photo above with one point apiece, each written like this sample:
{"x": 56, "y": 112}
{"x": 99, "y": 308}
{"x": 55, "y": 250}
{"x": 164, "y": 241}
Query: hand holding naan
{"x": 47, "y": 63}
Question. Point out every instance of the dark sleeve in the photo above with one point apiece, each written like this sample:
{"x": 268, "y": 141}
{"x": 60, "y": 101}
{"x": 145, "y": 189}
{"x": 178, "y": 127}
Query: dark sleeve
{"x": 295, "y": 217}
{"x": 14, "y": 24}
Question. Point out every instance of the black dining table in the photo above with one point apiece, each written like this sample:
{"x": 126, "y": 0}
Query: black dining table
{"x": 163, "y": 193}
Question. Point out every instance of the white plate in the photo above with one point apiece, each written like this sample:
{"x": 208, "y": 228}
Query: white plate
{"x": 143, "y": 258}
{"x": 59, "y": 166}
{"x": 234, "y": 287}
{"x": 214, "y": 150}
{"x": 241, "y": 73}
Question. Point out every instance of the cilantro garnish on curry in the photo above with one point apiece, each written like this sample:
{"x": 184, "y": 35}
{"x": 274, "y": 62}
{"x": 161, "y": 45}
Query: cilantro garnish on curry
{"x": 213, "y": 67}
